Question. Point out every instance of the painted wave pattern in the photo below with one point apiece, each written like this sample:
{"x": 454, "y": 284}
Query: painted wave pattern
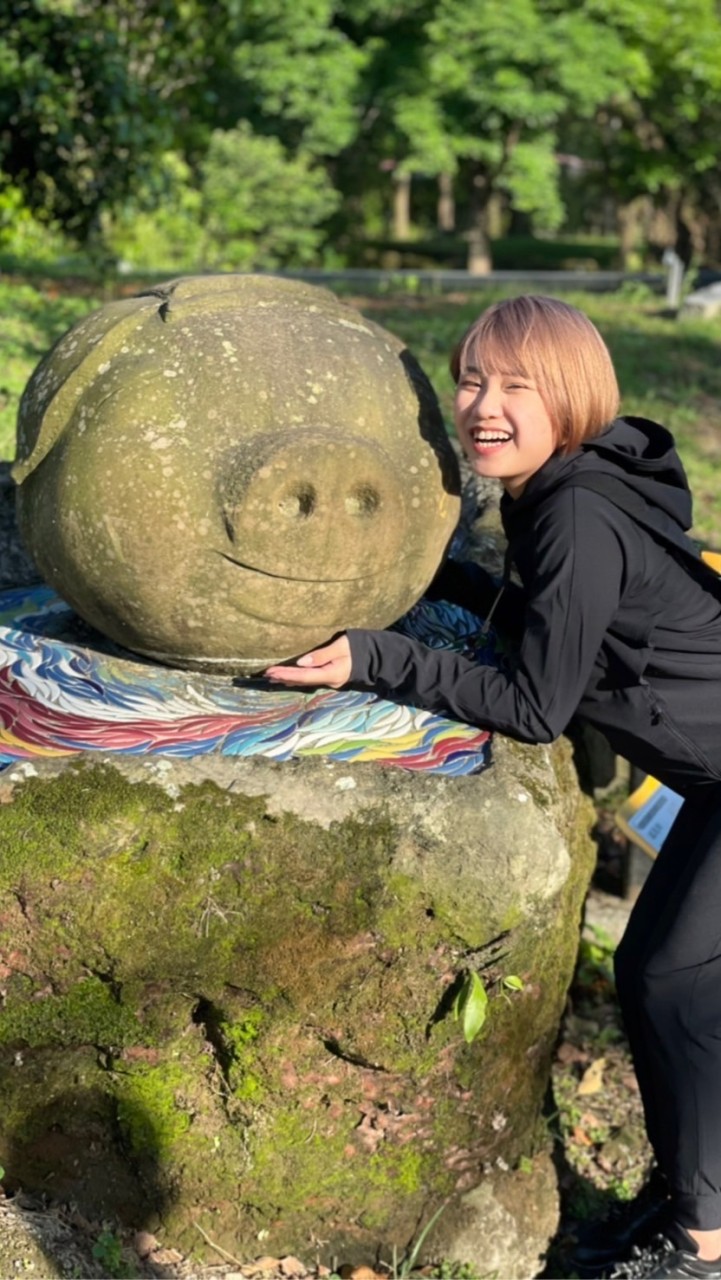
{"x": 58, "y": 698}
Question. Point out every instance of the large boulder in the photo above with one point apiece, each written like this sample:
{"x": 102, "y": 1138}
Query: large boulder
{"x": 228, "y": 992}
{"x": 226, "y": 470}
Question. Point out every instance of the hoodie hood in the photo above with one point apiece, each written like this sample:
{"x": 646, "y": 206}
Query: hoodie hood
{"x": 635, "y": 450}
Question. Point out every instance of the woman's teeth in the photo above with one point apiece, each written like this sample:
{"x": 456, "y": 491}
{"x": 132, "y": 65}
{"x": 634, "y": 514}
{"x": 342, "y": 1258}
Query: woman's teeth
{"x": 490, "y": 437}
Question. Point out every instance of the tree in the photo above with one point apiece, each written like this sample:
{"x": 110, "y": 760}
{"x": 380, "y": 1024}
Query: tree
{"x": 89, "y": 98}
{"x": 262, "y": 208}
{"x": 660, "y": 140}
{"x": 505, "y": 78}
{"x": 479, "y": 92}
{"x": 297, "y": 75}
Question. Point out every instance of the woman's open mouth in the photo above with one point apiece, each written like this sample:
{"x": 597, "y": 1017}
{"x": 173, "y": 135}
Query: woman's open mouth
{"x": 489, "y": 441}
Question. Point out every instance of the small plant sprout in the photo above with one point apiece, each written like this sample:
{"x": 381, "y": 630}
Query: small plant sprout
{"x": 471, "y": 1003}
{"x": 403, "y": 1271}
{"x": 471, "y": 1006}
{"x": 513, "y": 982}
{"x": 108, "y": 1252}
{"x": 509, "y": 984}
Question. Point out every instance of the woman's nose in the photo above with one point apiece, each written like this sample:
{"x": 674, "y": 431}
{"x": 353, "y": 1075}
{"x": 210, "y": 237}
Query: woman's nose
{"x": 487, "y": 403}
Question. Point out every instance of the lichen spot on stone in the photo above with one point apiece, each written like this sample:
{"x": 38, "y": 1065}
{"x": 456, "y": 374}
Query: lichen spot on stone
{"x": 349, "y": 324}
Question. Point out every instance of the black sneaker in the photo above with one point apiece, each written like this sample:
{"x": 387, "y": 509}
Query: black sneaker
{"x": 668, "y": 1257}
{"x": 630, "y": 1223}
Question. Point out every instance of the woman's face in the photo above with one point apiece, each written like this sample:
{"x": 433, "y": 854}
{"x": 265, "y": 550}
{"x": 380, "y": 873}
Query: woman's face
{"x": 503, "y": 425}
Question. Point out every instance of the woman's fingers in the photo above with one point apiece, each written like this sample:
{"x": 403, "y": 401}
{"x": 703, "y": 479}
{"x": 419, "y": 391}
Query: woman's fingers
{"x": 330, "y": 665}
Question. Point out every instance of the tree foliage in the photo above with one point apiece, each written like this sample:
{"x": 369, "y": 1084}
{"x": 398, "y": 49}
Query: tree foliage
{"x": 250, "y": 132}
{"x": 88, "y": 98}
{"x": 247, "y": 180}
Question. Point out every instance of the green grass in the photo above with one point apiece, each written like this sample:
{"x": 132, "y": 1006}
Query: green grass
{"x": 668, "y": 371}
{"x": 31, "y": 320}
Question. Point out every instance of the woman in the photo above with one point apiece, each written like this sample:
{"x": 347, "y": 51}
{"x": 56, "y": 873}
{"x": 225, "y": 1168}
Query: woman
{"x": 617, "y": 620}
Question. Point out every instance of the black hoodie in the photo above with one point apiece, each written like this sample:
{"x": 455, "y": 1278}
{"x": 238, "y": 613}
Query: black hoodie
{"x": 616, "y": 618}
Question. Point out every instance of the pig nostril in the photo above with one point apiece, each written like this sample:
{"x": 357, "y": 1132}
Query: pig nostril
{"x": 364, "y": 500}
{"x": 299, "y": 503}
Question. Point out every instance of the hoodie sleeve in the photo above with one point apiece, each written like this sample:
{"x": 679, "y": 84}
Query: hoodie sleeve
{"x": 580, "y": 569}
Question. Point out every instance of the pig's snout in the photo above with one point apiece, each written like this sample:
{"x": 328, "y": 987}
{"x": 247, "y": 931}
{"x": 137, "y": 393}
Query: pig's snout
{"x": 315, "y": 505}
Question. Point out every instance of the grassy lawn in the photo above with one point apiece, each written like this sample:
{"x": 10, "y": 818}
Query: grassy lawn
{"x": 668, "y": 371}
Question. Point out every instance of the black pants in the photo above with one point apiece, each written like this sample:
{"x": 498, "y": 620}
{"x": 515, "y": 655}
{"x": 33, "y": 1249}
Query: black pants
{"x": 668, "y": 974}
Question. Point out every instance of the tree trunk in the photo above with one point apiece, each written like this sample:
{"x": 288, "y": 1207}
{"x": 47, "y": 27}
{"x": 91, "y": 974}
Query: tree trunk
{"x": 446, "y": 203}
{"x": 479, "y": 252}
{"x": 630, "y": 220}
{"x": 479, "y": 246}
{"x": 401, "y": 206}
{"x": 495, "y": 215}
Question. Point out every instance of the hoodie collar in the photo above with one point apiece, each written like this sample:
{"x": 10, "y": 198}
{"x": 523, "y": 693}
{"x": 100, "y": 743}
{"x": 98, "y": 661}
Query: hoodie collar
{"x": 635, "y": 450}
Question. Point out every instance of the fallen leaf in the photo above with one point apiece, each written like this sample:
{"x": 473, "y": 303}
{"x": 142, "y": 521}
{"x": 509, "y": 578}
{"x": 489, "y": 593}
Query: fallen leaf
{"x": 581, "y": 1137}
{"x": 592, "y": 1078}
{"x": 144, "y": 1243}
{"x": 589, "y": 1120}
{"x": 166, "y": 1257}
{"x": 568, "y": 1053}
{"x": 290, "y": 1266}
{"x": 262, "y": 1266}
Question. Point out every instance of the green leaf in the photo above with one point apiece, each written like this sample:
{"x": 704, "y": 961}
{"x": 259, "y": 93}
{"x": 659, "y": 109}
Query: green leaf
{"x": 513, "y": 982}
{"x": 474, "y": 1006}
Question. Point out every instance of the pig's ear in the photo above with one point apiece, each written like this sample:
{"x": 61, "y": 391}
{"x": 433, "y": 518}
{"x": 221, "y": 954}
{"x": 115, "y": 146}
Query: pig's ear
{"x": 40, "y": 423}
{"x": 50, "y": 398}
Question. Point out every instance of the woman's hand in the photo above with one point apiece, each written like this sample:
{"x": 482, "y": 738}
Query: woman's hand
{"x": 330, "y": 665}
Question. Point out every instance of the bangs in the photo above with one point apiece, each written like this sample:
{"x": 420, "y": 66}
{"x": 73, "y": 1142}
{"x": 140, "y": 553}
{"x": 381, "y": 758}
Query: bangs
{"x": 490, "y": 352}
{"x": 499, "y": 342}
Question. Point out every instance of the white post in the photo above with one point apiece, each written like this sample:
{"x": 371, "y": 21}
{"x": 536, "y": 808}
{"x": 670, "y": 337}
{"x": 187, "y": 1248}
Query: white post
{"x": 674, "y": 278}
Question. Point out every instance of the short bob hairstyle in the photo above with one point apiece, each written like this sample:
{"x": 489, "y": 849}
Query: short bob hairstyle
{"x": 558, "y": 349}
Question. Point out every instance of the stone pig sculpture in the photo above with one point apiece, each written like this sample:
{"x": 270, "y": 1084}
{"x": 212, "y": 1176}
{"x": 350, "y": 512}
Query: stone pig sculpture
{"x": 222, "y": 472}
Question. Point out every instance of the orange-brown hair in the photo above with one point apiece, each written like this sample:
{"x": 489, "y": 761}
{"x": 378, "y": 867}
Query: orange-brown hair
{"x": 558, "y": 349}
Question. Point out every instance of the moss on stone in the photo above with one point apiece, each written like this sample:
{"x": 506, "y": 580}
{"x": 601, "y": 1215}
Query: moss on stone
{"x": 268, "y": 994}
{"x": 148, "y": 1111}
{"x": 60, "y": 822}
{"x": 86, "y": 1014}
